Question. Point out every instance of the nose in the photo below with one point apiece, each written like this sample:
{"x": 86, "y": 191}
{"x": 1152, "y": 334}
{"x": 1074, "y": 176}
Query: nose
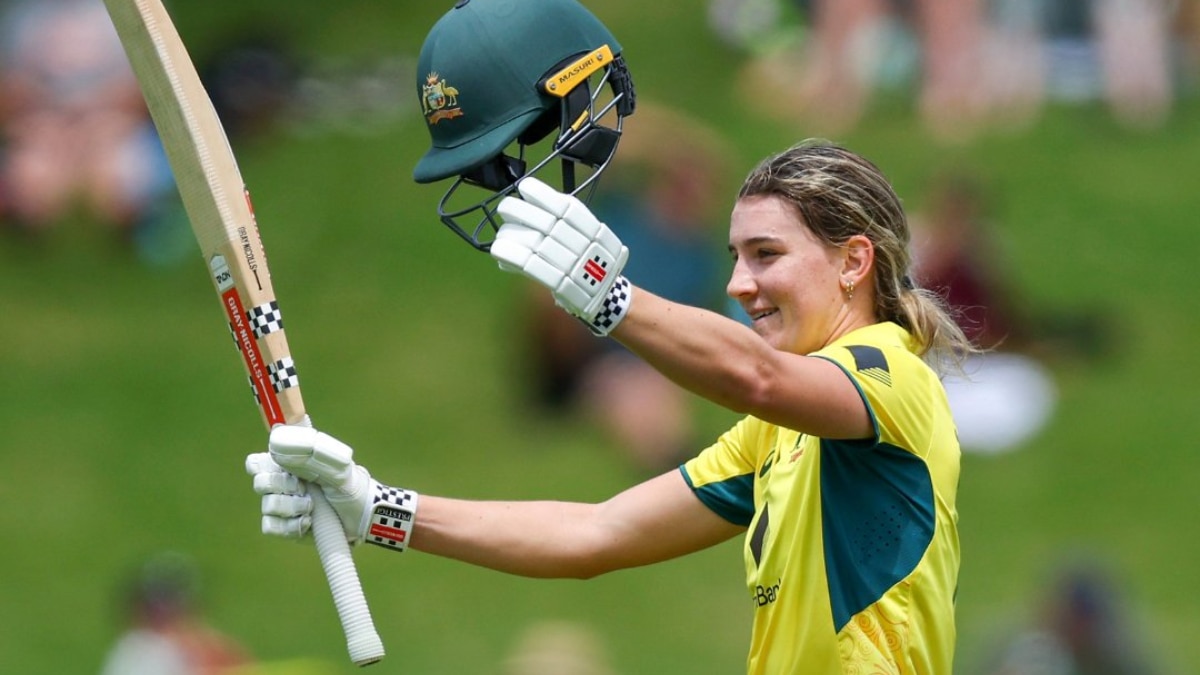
{"x": 741, "y": 282}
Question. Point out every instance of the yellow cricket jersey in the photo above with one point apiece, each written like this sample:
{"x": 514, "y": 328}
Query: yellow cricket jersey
{"x": 852, "y": 548}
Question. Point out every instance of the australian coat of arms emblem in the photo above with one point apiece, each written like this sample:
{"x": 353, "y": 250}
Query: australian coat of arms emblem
{"x": 439, "y": 100}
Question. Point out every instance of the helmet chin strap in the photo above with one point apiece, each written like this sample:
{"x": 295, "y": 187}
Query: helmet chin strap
{"x": 496, "y": 174}
{"x": 575, "y": 123}
{"x": 568, "y": 173}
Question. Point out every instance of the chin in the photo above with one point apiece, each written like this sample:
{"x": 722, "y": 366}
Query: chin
{"x": 775, "y": 341}
{"x": 772, "y": 336}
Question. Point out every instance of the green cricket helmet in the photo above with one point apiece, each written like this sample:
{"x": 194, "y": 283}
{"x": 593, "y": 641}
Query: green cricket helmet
{"x": 495, "y": 78}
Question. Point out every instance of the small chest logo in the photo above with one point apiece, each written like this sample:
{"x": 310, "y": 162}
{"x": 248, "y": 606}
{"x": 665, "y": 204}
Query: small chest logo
{"x": 798, "y": 449}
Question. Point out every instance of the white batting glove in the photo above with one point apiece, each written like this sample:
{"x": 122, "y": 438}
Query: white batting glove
{"x": 369, "y": 510}
{"x": 555, "y": 240}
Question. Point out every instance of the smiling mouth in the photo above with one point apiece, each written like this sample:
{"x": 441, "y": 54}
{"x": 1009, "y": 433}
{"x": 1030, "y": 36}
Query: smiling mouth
{"x": 762, "y": 315}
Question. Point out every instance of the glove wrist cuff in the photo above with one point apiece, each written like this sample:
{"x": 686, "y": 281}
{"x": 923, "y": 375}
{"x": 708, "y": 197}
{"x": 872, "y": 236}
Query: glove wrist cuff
{"x": 613, "y": 309}
{"x": 393, "y": 512}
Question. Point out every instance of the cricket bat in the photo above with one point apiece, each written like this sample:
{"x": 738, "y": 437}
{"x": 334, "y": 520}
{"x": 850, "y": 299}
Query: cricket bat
{"x": 218, "y": 205}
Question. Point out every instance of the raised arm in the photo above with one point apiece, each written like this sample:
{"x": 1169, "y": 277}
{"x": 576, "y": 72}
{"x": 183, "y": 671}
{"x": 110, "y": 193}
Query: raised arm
{"x": 727, "y": 363}
{"x": 555, "y": 240}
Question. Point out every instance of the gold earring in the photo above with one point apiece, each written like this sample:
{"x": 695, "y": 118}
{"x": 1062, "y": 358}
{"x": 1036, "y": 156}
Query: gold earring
{"x": 849, "y": 290}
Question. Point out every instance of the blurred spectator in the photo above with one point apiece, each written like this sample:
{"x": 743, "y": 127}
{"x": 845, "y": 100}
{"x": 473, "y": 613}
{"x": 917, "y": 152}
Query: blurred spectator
{"x": 1122, "y": 52}
{"x": 1013, "y": 62}
{"x": 973, "y": 62}
{"x": 1187, "y": 32}
{"x": 852, "y": 48}
{"x": 1117, "y": 51}
{"x": 1134, "y": 37}
{"x": 1007, "y": 395}
{"x": 957, "y": 256}
{"x": 660, "y": 197}
{"x": 261, "y": 84}
{"x": 1083, "y": 628}
{"x": 252, "y": 80}
{"x": 166, "y": 634}
{"x": 76, "y": 133}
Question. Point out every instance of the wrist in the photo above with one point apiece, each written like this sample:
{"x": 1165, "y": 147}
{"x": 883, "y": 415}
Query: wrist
{"x": 391, "y": 516}
{"x": 613, "y": 308}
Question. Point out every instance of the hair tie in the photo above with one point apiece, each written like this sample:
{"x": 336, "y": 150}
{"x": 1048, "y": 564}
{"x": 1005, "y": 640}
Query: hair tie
{"x": 907, "y": 282}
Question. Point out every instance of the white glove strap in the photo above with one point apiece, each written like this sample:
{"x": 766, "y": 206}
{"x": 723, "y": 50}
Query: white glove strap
{"x": 613, "y": 308}
{"x": 392, "y": 514}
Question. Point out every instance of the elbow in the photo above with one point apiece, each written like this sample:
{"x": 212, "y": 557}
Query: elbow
{"x": 561, "y": 566}
{"x": 585, "y": 550}
{"x": 587, "y": 572}
{"x": 751, "y": 389}
{"x": 604, "y": 546}
{"x": 590, "y": 563}
{"x": 579, "y": 567}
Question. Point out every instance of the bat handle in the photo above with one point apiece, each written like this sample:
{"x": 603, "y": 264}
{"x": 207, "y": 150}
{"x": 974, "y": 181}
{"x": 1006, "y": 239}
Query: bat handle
{"x": 361, "y": 638}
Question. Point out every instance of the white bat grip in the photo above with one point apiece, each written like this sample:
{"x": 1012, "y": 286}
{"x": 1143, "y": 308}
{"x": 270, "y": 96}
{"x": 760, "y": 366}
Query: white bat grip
{"x": 361, "y": 639}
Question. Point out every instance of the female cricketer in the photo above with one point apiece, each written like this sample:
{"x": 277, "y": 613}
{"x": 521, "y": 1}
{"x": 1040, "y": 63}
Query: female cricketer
{"x": 842, "y": 475}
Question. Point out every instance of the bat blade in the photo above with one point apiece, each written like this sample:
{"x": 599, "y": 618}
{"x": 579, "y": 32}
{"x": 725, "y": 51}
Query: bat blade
{"x": 222, "y": 218}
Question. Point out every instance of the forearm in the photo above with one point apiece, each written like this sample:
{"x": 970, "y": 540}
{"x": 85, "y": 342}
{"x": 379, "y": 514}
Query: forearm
{"x": 657, "y": 520}
{"x": 533, "y": 539}
{"x": 710, "y": 355}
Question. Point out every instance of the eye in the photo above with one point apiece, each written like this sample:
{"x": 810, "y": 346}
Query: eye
{"x": 765, "y": 253}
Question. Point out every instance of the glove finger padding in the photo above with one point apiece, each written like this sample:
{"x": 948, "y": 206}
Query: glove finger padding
{"x": 272, "y": 479}
{"x": 261, "y": 462}
{"x": 281, "y": 483}
{"x": 555, "y": 240}
{"x": 527, "y": 213}
{"x": 514, "y": 245}
{"x": 286, "y": 507}
{"x": 311, "y": 454}
{"x": 562, "y": 206}
{"x": 287, "y": 528}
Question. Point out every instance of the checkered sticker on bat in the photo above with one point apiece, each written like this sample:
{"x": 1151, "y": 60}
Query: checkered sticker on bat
{"x": 265, "y": 319}
{"x": 283, "y": 374}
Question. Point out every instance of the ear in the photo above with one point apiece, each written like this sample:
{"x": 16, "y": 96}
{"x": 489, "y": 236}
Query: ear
{"x": 858, "y": 258}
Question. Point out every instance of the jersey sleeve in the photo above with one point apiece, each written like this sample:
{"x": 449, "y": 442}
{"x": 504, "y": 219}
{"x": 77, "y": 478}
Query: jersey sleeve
{"x": 722, "y": 476}
{"x": 894, "y": 384}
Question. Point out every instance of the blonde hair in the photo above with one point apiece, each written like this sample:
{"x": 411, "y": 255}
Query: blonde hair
{"x": 839, "y": 194}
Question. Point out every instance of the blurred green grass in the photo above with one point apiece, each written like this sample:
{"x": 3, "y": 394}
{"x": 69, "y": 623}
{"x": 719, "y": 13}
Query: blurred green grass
{"x": 124, "y": 421}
